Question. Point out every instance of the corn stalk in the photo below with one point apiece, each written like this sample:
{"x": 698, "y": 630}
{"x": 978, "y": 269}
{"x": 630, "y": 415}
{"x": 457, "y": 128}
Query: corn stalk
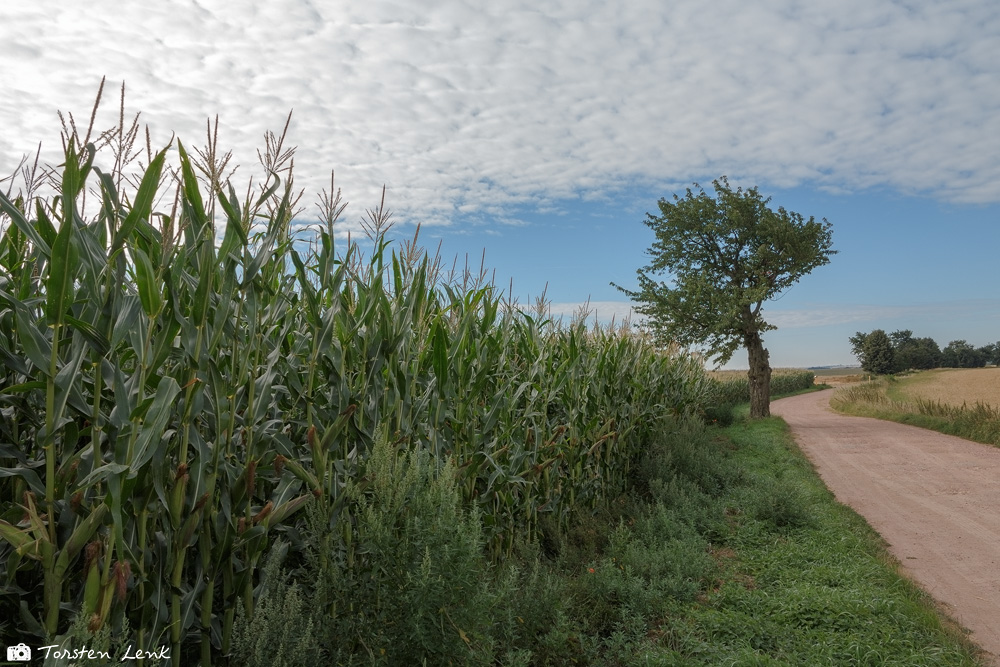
{"x": 182, "y": 374}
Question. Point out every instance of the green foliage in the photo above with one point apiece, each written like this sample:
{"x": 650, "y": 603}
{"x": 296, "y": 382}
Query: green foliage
{"x": 960, "y": 354}
{"x": 181, "y": 381}
{"x": 725, "y": 256}
{"x": 785, "y": 506}
{"x": 733, "y": 390}
{"x": 730, "y": 551}
{"x": 648, "y": 571}
{"x": 875, "y": 352}
{"x": 900, "y": 351}
{"x": 282, "y": 630}
{"x": 992, "y": 353}
{"x": 915, "y": 353}
{"x": 410, "y": 584}
{"x": 533, "y": 619}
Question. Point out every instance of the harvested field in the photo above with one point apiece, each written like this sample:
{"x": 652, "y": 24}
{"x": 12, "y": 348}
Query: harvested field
{"x": 838, "y": 380}
{"x": 955, "y": 386}
{"x": 836, "y": 377}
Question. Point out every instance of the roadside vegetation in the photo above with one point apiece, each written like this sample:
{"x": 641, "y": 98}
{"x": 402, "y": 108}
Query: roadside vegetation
{"x": 732, "y": 389}
{"x": 240, "y": 442}
{"x": 727, "y": 549}
{"x": 899, "y": 399}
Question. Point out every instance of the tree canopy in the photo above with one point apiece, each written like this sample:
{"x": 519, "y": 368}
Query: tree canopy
{"x": 722, "y": 257}
{"x": 898, "y": 351}
{"x": 875, "y": 351}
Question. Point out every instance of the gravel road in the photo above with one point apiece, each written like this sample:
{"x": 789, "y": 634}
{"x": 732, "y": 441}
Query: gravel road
{"x": 934, "y": 498}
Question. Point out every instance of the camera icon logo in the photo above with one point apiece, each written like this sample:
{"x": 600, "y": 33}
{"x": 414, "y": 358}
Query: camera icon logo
{"x": 19, "y": 653}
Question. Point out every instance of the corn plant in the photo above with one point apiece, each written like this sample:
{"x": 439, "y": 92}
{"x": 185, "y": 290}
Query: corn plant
{"x": 183, "y": 373}
{"x": 730, "y": 390}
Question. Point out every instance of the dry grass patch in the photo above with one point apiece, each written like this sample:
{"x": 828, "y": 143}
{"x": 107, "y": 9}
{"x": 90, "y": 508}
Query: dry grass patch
{"x": 891, "y": 398}
{"x": 955, "y": 386}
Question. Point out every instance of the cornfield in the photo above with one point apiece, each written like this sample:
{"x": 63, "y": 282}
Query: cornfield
{"x": 734, "y": 386}
{"x": 170, "y": 401}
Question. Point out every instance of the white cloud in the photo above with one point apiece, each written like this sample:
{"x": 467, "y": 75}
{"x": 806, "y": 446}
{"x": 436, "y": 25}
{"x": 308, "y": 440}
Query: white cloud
{"x": 469, "y": 106}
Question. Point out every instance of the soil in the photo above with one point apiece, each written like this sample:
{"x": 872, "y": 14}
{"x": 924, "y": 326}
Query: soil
{"x": 934, "y": 498}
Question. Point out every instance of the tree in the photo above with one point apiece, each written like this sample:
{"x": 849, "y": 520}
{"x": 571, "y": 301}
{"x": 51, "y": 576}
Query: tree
{"x": 960, "y": 354}
{"x": 992, "y": 353}
{"x": 875, "y": 352}
{"x": 725, "y": 256}
{"x": 917, "y": 353}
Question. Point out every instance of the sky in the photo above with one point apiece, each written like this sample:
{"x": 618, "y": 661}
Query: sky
{"x": 541, "y": 132}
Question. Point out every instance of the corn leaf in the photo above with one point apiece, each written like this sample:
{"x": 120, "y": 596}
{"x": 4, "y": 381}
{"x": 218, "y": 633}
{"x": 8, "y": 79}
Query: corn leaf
{"x": 146, "y": 283}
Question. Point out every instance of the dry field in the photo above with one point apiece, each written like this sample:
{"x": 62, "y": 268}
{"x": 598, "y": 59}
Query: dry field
{"x": 834, "y": 377}
{"x": 838, "y": 380}
{"x": 729, "y": 375}
{"x": 955, "y": 386}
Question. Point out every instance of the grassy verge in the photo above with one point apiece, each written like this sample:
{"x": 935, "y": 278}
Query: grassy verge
{"x": 805, "y": 580}
{"x": 885, "y": 398}
{"x": 797, "y": 578}
{"x": 728, "y": 550}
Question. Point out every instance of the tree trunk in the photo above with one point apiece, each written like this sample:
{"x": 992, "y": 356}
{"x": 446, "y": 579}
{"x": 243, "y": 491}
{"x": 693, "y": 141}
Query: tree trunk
{"x": 760, "y": 376}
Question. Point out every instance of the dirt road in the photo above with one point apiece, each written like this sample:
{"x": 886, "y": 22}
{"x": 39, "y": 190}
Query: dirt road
{"x": 933, "y": 497}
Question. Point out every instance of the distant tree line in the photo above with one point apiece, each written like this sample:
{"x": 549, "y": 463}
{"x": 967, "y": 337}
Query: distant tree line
{"x": 884, "y": 353}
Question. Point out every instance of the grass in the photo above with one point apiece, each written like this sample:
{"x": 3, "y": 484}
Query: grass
{"x": 735, "y": 553}
{"x": 893, "y": 399}
{"x": 809, "y": 581}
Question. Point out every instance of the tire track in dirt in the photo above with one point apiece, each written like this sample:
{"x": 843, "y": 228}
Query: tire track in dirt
{"x": 934, "y": 498}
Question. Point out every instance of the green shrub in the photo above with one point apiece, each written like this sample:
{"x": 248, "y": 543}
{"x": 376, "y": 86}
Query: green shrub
{"x": 784, "y": 505}
{"x": 533, "y": 618}
{"x": 282, "y": 631}
{"x": 411, "y": 583}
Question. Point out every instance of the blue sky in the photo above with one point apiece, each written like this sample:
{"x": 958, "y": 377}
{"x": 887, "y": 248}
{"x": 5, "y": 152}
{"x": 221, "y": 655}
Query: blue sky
{"x": 544, "y": 131}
